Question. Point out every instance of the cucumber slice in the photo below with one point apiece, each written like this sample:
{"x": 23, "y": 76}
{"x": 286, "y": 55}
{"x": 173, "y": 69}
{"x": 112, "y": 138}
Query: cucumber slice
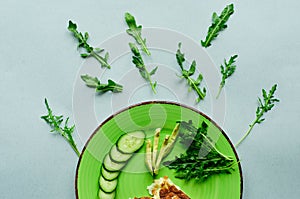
{"x": 109, "y": 175}
{"x": 117, "y": 156}
{"x": 108, "y": 186}
{"x": 103, "y": 195}
{"x": 131, "y": 142}
{"x": 111, "y": 165}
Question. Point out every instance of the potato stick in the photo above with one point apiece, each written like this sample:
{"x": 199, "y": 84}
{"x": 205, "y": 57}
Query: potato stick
{"x": 172, "y": 140}
{"x": 155, "y": 146}
{"x": 161, "y": 154}
{"x": 148, "y": 157}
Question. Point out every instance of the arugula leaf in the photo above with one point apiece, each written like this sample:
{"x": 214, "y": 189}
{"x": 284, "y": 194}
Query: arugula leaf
{"x": 227, "y": 70}
{"x": 55, "y": 123}
{"x": 139, "y": 63}
{"x": 218, "y": 24}
{"x": 136, "y": 32}
{"x": 264, "y": 106}
{"x": 94, "y": 82}
{"x": 202, "y": 159}
{"x": 90, "y": 51}
{"x": 194, "y": 84}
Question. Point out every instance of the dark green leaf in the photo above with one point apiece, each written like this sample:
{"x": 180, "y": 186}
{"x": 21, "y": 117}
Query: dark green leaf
{"x": 110, "y": 86}
{"x": 264, "y": 106}
{"x": 94, "y": 82}
{"x": 55, "y": 123}
{"x": 264, "y": 94}
{"x": 227, "y": 70}
{"x": 137, "y": 60}
{"x": 72, "y": 26}
{"x": 153, "y": 71}
{"x": 192, "y": 68}
{"x": 84, "y": 55}
{"x": 90, "y": 81}
{"x": 215, "y": 17}
{"x": 134, "y": 49}
{"x": 180, "y": 56}
{"x": 199, "y": 79}
{"x": 218, "y": 24}
{"x": 136, "y": 32}
{"x": 194, "y": 84}
{"x": 82, "y": 43}
{"x": 154, "y": 85}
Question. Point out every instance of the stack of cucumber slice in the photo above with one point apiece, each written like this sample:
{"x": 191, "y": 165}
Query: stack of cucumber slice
{"x": 116, "y": 160}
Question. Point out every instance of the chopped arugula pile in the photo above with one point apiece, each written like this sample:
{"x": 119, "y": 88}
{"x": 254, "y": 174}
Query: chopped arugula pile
{"x": 139, "y": 63}
{"x": 218, "y": 24}
{"x": 94, "y": 82}
{"x": 202, "y": 159}
{"x": 55, "y": 123}
{"x": 90, "y": 51}
{"x": 186, "y": 74}
{"x": 227, "y": 70}
{"x": 264, "y": 106}
{"x": 136, "y": 32}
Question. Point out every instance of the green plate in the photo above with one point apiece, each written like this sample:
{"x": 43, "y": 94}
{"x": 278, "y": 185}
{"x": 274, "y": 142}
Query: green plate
{"x": 134, "y": 178}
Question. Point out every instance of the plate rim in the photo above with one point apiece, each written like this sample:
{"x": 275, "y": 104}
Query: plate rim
{"x": 158, "y": 102}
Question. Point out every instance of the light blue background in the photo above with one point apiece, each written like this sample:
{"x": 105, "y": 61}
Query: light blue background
{"x": 38, "y": 59}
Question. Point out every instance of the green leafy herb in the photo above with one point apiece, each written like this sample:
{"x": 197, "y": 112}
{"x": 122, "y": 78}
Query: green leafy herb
{"x": 90, "y": 51}
{"x": 227, "y": 70}
{"x": 202, "y": 159}
{"x": 194, "y": 84}
{"x": 139, "y": 63}
{"x": 136, "y": 32}
{"x": 264, "y": 106}
{"x": 56, "y": 124}
{"x": 94, "y": 82}
{"x": 218, "y": 24}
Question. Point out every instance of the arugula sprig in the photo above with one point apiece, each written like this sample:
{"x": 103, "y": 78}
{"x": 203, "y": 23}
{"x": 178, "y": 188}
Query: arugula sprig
{"x": 136, "y": 32}
{"x": 55, "y": 123}
{"x": 202, "y": 158}
{"x": 139, "y": 63}
{"x": 94, "y": 82}
{"x": 264, "y": 106}
{"x": 90, "y": 51}
{"x": 194, "y": 84}
{"x": 227, "y": 70}
{"x": 218, "y": 24}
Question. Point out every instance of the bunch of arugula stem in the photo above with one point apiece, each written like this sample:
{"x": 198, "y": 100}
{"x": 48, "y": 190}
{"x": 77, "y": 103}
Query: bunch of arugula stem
{"x": 55, "y": 122}
{"x": 136, "y": 32}
{"x": 264, "y": 105}
{"x": 94, "y": 82}
{"x": 90, "y": 51}
{"x": 227, "y": 70}
{"x": 186, "y": 74}
{"x": 139, "y": 63}
{"x": 218, "y": 24}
